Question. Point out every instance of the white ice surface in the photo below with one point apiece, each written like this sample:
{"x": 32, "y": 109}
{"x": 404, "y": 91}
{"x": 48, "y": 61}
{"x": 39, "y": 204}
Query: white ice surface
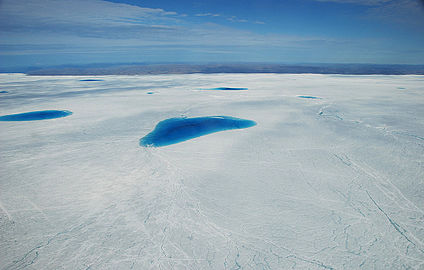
{"x": 331, "y": 183}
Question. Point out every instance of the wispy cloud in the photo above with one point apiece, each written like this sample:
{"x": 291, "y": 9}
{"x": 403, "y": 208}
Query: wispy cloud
{"x": 235, "y": 19}
{"x": 228, "y": 18}
{"x": 107, "y": 30}
{"x": 101, "y": 24}
{"x": 207, "y": 15}
{"x": 60, "y": 15}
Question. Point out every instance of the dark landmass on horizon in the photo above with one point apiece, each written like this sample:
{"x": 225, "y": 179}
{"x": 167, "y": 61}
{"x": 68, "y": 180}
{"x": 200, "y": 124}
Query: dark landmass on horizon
{"x": 154, "y": 69}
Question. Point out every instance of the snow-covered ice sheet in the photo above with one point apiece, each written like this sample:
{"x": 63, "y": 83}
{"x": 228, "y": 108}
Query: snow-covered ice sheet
{"x": 328, "y": 183}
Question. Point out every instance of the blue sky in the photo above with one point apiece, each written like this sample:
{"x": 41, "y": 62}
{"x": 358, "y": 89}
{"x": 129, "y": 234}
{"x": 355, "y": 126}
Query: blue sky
{"x": 59, "y": 32}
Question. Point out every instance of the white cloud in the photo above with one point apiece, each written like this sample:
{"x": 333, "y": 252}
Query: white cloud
{"x": 235, "y": 19}
{"x": 208, "y": 15}
{"x": 32, "y": 20}
{"x": 21, "y": 13}
{"x": 230, "y": 18}
{"x": 89, "y": 26}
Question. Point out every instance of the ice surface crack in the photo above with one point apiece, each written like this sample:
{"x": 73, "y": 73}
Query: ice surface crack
{"x": 23, "y": 262}
{"x": 344, "y": 159}
{"x": 397, "y": 227}
{"x": 315, "y": 262}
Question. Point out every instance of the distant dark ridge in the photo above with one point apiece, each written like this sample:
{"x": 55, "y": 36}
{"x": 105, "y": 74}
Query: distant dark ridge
{"x": 346, "y": 69}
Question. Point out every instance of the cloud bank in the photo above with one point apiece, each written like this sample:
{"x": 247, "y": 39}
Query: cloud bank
{"x": 34, "y": 32}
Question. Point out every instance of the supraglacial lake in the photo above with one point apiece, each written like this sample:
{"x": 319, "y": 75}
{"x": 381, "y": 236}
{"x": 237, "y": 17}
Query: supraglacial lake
{"x": 175, "y": 130}
{"x": 36, "y": 115}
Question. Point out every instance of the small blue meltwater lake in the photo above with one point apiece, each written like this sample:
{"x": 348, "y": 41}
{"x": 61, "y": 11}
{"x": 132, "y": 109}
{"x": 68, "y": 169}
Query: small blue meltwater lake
{"x": 37, "y": 115}
{"x": 175, "y": 130}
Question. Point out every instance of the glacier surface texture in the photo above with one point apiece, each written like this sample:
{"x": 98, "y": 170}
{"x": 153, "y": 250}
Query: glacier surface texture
{"x": 334, "y": 182}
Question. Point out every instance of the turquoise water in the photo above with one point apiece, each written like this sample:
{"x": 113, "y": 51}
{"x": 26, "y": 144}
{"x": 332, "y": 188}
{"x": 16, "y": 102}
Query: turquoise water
{"x": 225, "y": 88}
{"x": 37, "y": 115}
{"x": 175, "y": 130}
{"x": 150, "y": 93}
{"x": 311, "y": 97}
